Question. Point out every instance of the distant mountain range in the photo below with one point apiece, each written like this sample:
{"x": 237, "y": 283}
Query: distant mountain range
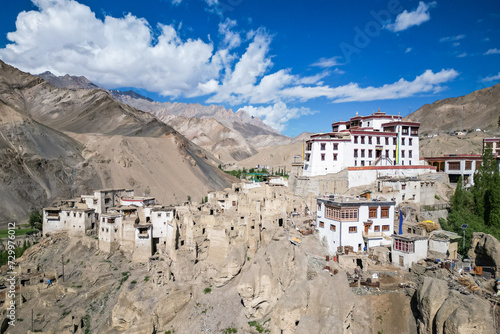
{"x": 58, "y": 143}
{"x": 228, "y": 135}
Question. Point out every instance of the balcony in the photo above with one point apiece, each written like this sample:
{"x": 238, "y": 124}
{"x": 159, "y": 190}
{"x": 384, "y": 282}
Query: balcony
{"x": 143, "y": 235}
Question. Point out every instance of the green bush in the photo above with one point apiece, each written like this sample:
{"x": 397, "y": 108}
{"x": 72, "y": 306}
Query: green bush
{"x": 207, "y": 290}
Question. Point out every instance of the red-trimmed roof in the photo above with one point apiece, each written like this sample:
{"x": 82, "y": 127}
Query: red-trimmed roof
{"x": 392, "y": 167}
{"x": 401, "y": 123}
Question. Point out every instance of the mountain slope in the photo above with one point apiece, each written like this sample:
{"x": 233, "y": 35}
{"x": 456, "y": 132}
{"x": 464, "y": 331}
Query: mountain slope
{"x": 56, "y": 143}
{"x": 231, "y": 136}
{"x": 481, "y": 109}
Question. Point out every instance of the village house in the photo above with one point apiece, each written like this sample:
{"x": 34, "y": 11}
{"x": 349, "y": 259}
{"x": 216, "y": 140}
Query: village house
{"x": 357, "y": 223}
{"x": 407, "y": 249}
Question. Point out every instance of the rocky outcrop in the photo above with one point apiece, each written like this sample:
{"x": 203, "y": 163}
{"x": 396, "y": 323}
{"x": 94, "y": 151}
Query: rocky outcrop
{"x": 321, "y": 305}
{"x": 275, "y": 268}
{"x": 485, "y": 251}
{"x": 444, "y": 311}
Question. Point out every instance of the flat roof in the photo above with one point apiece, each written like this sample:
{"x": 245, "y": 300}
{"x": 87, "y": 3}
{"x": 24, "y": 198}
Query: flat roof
{"x": 355, "y": 202}
{"x": 137, "y": 198}
{"x": 109, "y": 190}
{"x": 409, "y": 237}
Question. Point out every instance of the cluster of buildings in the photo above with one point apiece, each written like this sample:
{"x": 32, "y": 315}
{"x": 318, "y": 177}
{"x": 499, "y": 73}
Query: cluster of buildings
{"x": 379, "y": 152}
{"x": 140, "y": 226}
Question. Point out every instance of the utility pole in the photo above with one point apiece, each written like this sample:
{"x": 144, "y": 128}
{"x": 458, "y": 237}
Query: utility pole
{"x": 463, "y": 116}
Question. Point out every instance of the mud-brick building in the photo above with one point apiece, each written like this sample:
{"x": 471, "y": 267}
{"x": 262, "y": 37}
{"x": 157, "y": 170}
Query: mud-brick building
{"x": 74, "y": 220}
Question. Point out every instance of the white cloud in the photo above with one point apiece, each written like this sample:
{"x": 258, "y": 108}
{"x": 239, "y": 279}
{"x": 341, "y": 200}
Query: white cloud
{"x": 231, "y": 39}
{"x": 327, "y": 62}
{"x": 176, "y": 2}
{"x": 64, "y": 36}
{"x": 424, "y": 83}
{"x": 408, "y": 50}
{"x": 277, "y": 115}
{"x": 492, "y": 78}
{"x": 492, "y": 52}
{"x": 407, "y": 19}
{"x": 463, "y": 54}
{"x": 452, "y": 38}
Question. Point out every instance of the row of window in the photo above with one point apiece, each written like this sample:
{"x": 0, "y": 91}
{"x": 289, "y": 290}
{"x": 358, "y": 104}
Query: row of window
{"x": 404, "y": 246}
{"x": 455, "y": 165}
{"x": 351, "y": 214}
{"x": 384, "y": 212}
{"x": 378, "y": 140}
{"x": 354, "y": 229}
{"x": 370, "y": 153}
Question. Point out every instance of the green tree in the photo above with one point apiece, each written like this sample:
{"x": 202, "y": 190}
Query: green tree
{"x": 36, "y": 219}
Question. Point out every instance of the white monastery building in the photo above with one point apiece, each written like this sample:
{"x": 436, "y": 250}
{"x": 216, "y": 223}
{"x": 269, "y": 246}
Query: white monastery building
{"x": 356, "y": 223}
{"x": 375, "y": 140}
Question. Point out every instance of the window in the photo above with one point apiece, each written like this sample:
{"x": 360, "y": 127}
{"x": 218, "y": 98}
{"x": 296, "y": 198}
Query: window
{"x": 309, "y": 146}
{"x": 335, "y": 147}
{"x": 356, "y": 153}
{"x": 323, "y": 146}
{"x": 362, "y": 139}
{"x": 332, "y": 228}
{"x": 341, "y": 214}
{"x": 410, "y": 141}
{"x": 385, "y": 227}
{"x": 334, "y": 156}
{"x": 394, "y": 141}
{"x": 353, "y": 229}
{"x": 384, "y": 212}
{"x": 372, "y": 212}
{"x": 403, "y": 141}
{"x": 355, "y": 139}
{"x": 402, "y": 153}
{"x": 370, "y": 153}
{"x": 378, "y": 140}
{"x": 387, "y": 140}
{"x": 362, "y": 153}
{"x": 321, "y": 224}
{"x": 410, "y": 154}
{"x": 405, "y": 130}
{"x": 468, "y": 165}
{"x": 394, "y": 154}
{"x": 404, "y": 246}
{"x": 454, "y": 165}
{"x": 159, "y": 215}
{"x": 387, "y": 153}
{"x": 403, "y": 187}
{"x": 376, "y": 228}
{"x": 322, "y": 156}
{"x": 362, "y": 162}
{"x": 369, "y": 140}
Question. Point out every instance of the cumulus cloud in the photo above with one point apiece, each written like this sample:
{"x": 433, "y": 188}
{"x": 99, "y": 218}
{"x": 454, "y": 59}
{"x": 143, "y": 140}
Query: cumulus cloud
{"x": 492, "y": 52}
{"x": 426, "y": 82}
{"x": 277, "y": 115}
{"x": 407, "y": 19}
{"x": 64, "y": 36}
{"x": 492, "y": 78}
{"x": 451, "y": 38}
{"x": 463, "y": 54}
{"x": 231, "y": 39}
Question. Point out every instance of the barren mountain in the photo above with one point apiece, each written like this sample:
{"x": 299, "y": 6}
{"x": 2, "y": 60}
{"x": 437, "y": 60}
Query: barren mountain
{"x": 113, "y": 145}
{"x": 479, "y": 109}
{"x": 231, "y": 136}
{"x": 68, "y": 81}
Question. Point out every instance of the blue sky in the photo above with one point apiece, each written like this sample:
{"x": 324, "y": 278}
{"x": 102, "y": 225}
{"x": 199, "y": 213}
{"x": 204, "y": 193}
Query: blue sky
{"x": 297, "y": 65}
